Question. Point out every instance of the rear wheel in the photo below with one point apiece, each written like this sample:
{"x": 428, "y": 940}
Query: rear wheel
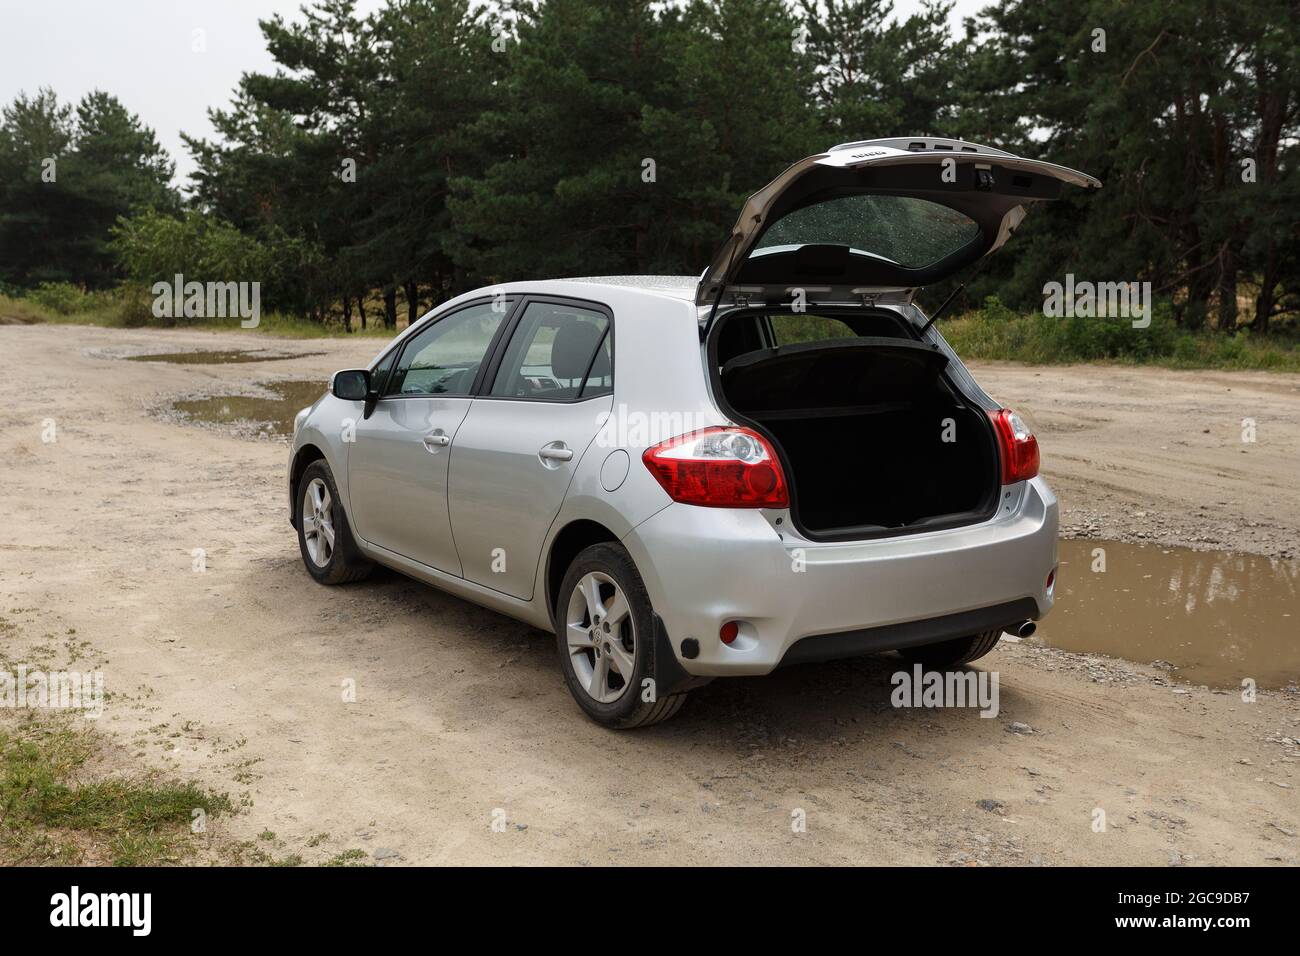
{"x": 604, "y": 630}
{"x": 954, "y": 653}
{"x": 324, "y": 536}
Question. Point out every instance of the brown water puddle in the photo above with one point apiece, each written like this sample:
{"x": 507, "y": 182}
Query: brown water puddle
{"x": 218, "y": 357}
{"x": 1217, "y": 617}
{"x": 277, "y": 412}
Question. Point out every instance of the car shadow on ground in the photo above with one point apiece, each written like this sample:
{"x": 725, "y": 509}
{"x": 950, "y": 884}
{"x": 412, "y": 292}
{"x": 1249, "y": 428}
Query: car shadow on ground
{"x": 837, "y": 702}
{"x": 820, "y": 705}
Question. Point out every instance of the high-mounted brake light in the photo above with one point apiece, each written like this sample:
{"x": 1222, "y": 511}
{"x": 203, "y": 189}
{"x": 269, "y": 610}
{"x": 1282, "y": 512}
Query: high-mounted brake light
{"x": 719, "y": 468}
{"x": 1017, "y": 446}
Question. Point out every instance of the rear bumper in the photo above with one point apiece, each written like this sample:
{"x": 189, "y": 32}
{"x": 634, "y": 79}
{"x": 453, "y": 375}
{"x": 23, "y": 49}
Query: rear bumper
{"x": 800, "y": 600}
{"x": 892, "y": 637}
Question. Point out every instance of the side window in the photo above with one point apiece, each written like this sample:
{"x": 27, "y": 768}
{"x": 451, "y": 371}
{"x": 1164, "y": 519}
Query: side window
{"x": 600, "y": 380}
{"x": 443, "y": 358}
{"x": 550, "y": 353}
{"x": 379, "y": 374}
{"x": 790, "y": 329}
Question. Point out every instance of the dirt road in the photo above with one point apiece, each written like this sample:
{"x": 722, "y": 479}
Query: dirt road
{"x": 232, "y": 676}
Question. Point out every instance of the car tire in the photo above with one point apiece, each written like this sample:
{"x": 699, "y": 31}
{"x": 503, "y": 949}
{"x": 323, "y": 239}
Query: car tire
{"x": 953, "y": 653}
{"x": 319, "y": 514}
{"x": 608, "y": 570}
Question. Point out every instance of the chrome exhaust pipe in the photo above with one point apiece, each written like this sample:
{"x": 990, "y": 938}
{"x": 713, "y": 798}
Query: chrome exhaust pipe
{"x": 1026, "y": 629}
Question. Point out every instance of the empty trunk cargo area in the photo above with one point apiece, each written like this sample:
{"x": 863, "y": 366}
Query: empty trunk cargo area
{"x": 875, "y": 439}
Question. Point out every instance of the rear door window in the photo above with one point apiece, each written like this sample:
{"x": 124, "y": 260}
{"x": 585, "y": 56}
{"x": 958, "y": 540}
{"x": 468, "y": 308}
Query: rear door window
{"x": 600, "y": 379}
{"x": 554, "y": 351}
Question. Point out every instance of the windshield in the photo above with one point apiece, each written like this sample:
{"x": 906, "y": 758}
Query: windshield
{"x": 909, "y": 232}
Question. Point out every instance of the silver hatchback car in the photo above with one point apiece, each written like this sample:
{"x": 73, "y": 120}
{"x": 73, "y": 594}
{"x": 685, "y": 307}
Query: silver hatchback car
{"x": 781, "y": 461}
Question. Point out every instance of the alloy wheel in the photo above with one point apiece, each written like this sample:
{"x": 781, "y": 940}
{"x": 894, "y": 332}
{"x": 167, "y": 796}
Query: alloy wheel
{"x": 601, "y": 637}
{"x": 318, "y": 522}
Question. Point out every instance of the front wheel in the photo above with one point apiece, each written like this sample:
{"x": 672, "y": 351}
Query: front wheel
{"x": 324, "y": 536}
{"x": 604, "y": 630}
{"x": 954, "y": 653}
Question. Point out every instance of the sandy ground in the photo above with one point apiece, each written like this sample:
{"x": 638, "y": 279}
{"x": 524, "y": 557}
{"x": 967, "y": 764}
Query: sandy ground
{"x": 232, "y": 676}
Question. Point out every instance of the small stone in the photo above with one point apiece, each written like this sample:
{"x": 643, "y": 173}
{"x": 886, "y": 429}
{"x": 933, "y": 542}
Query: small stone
{"x": 385, "y": 853}
{"x": 1016, "y": 727}
{"x": 992, "y": 806}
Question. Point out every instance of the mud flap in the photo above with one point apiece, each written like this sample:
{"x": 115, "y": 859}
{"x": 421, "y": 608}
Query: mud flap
{"x": 669, "y": 675}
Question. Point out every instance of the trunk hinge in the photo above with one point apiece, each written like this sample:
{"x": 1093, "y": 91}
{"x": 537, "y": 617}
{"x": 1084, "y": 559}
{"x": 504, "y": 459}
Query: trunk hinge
{"x": 867, "y": 299}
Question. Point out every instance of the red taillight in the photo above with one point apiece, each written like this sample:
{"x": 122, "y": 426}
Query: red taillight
{"x": 719, "y": 468}
{"x": 728, "y": 632}
{"x": 1017, "y": 445}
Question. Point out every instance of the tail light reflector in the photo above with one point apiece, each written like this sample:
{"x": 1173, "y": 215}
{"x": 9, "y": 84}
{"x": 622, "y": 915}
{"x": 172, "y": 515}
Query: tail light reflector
{"x": 1017, "y": 446}
{"x": 719, "y": 467}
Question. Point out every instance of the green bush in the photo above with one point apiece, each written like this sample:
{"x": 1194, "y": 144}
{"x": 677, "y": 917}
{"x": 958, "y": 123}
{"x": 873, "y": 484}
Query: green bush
{"x": 153, "y": 247}
{"x": 62, "y": 297}
{"x": 996, "y": 332}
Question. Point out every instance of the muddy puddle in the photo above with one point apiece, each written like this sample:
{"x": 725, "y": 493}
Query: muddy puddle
{"x": 273, "y": 411}
{"x": 219, "y": 357}
{"x": 1217, "y": 618}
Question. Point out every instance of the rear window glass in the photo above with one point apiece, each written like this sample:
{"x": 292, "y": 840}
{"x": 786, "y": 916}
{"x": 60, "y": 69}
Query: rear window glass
{"x": 906, "y": 231}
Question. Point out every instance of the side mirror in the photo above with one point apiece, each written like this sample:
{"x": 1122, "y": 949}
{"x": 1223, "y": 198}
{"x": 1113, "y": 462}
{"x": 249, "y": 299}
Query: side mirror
{"x": 351, "y": 385}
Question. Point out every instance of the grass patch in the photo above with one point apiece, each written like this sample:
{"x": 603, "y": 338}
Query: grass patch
{"x": 124, "y": 307}
{"x": 997, "y": 333}
{"x": 54, "y": 810}
{"x": 348, "y": 858}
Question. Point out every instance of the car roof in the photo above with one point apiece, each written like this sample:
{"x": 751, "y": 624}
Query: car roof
{"x": 673, "y": 287}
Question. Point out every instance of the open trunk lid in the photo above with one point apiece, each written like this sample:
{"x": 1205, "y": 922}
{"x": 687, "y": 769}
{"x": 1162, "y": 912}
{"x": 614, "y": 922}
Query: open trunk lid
{"x": 872, "y": 221}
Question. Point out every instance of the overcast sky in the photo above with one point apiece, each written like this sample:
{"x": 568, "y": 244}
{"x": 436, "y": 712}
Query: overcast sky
{"x": 142, "y": 52}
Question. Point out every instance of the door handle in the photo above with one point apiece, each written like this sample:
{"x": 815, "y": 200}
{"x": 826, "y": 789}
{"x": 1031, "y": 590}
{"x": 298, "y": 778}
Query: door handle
{"x": 436, "y": 439}
{"x": 552, "y": 453}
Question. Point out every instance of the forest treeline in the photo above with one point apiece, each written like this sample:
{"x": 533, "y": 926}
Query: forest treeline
{"x": 394, "y": 159}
